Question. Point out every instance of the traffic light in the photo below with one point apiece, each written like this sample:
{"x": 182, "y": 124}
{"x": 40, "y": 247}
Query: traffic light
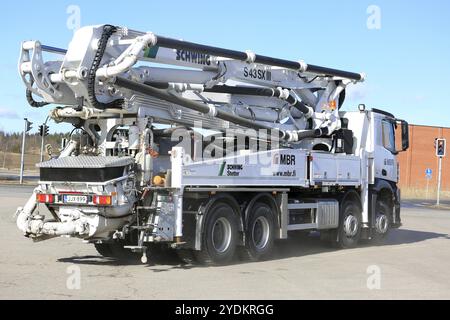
{"x": 440, "y": 147}
{"x": 29, "y": 125}
{"x": 43, "y": 130}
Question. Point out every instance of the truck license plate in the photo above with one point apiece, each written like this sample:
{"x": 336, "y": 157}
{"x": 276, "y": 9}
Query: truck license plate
{"x": 75, "y": 199}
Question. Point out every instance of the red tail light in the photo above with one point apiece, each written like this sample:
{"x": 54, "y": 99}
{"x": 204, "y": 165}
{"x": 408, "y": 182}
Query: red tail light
{"x": 45, "y": 198}
{"x": 101, "y": 200}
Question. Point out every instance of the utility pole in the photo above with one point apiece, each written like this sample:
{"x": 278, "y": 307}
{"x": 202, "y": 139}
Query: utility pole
{"x": 28, "y": 126}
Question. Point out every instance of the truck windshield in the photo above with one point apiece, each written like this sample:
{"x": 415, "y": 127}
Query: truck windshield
{"x": 388, "y": 135}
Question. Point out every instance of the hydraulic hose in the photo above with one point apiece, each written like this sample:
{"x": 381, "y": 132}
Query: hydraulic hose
{"x": 265, "y": 92}
{"x": 262, "y": 92}
{"x": 290, "y": 136}
{"x": 193, "y": 105}
{"x": 108, "y": 31}
{"x": 32, "y": 102}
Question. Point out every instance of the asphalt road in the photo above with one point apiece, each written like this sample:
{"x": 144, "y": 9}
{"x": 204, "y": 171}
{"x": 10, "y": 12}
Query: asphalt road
{"x": 413, "y": 264}
{"x": 14, "y": 175}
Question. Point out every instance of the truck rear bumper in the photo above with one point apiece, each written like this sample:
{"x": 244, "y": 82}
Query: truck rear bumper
{"x": 71, "y": 222}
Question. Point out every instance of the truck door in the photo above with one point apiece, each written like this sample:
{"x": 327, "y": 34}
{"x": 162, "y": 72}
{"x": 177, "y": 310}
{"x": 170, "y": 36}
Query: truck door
{"x": 385, "y": 151}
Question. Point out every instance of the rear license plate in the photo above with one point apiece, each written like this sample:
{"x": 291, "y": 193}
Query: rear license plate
{"x": 75, "y": 199}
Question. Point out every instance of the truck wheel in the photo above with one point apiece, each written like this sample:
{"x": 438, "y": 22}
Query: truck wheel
{"x": 186, "y": 256}
{"x": 382, "y": 222}
{"x": 121, "y": 253}
{"x": 103, "y": 249}
{"x": 115, "y": 250}
{"x": 349, "y": 230}
{"x": 219, "y": 236}
{"x": 259, "y": 234}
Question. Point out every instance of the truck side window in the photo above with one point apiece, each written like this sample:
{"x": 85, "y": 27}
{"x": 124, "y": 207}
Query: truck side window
{"x": 387, "y": 131}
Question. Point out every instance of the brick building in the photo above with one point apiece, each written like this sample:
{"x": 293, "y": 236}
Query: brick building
{"x": 422, "y": 155}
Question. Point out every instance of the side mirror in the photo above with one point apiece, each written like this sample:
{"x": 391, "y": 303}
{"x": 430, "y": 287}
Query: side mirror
{"x": 405, "y": 135}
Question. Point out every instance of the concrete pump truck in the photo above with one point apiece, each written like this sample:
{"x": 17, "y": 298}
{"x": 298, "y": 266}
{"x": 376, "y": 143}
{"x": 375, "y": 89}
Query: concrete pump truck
{"x": 204, "y": 150}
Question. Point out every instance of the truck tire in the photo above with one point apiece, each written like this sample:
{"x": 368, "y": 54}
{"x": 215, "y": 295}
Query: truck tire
{"x": 186, "y": 256}
{"x": 121, "y": 253}
{"x": 219, "y": 236}
{"x": 116, "y": 250}
{"x": 259, "y": 234}
{"x": 103, "y": 249}
{"x": 349, "y": 231}
{"x": 382, "y": 222}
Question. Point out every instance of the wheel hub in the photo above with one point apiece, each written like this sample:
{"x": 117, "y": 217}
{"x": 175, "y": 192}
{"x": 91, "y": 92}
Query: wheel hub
{"x": 260, "y": 233}
{"x": 351, "y": 226}
{"x": 221, "y": 235}
{"x": 381, "y": 224}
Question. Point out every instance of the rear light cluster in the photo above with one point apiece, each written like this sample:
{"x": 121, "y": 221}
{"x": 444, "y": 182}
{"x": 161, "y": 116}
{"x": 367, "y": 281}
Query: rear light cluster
{"x": 45, "y": 198}
{"x": 101, "y": 200}
{"x": 98, "y": 200}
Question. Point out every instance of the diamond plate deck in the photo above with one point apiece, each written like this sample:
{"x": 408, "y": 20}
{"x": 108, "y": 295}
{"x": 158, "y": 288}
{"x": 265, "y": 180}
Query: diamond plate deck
{"x": 86, "y": 162}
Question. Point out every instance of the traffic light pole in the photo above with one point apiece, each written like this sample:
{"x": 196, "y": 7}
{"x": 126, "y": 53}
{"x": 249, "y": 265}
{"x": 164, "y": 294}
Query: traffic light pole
{"x": 42, "y": 139}
{"x": 23, "y": 151}
{"x": 439, "y": 182}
